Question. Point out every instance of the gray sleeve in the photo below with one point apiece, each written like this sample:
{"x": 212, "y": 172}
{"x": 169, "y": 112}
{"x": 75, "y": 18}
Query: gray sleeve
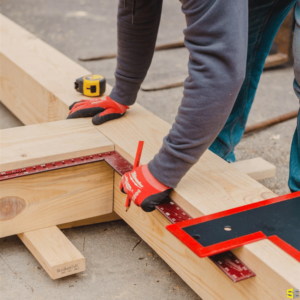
{"x": 216, "y": 37}
{"x": 136, "y": 43}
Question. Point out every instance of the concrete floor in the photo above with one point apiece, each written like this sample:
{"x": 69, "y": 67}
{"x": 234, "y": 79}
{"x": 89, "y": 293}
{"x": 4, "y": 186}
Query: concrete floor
{"x": 119, "y": 264}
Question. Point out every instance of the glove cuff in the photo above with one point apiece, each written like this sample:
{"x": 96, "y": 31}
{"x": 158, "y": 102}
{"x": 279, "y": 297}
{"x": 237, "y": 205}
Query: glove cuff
{"x": 124, "y": 92}
{"x": 121, "y": 106}
{"x": 152, "y": 180}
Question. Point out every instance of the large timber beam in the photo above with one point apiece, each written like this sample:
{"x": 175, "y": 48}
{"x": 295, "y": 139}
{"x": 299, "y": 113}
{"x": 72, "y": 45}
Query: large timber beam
{"x": 211, "y": 185}
{"x": 58, "y": 196}
{"x": 62, "y": 140}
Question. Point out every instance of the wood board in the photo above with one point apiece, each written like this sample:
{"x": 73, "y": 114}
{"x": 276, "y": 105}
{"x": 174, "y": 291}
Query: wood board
{"x": 49, "y": 142}
{"x": 257, "y": 168}
{"x": 34, "y": 76}
{"x": 53, "y": 250}
{"x": 55, "y": 197}
{"x": 207, "y": 280}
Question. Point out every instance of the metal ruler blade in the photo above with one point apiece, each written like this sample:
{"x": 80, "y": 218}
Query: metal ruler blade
{"x": 235, "y": 269}
{"x": 113, "y": 158}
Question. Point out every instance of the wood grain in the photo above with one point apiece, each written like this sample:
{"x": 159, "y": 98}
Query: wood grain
{"x": 49, "y": 142}
{"x": 257, "y": 168}
{"x": 277, "y": 59}
{"x": 212, "y": 185}
{"x": 201, "y": 274}
{"x": 34, "y": 76}
{"x": 57, "y": 197}
{"x": 53, "y": 250}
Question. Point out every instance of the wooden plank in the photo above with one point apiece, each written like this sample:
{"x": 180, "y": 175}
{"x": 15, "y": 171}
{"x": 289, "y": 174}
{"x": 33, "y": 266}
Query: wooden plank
{"x": 34, "y": 76}
{"x": 164, "y": 84}
{"x": 257, "y": 168}
{"x": 201, "y": 274}
{"x": 211, "y": 177}
{"x": 49, "y": 142}
{"x": 284, "y": 40}
{"x": 53, "y": 250}
{"x": 173, "y": 45}
{"x": 276, "y": 59}
{"x": 272, "y": 60}
{"x": 284, "y": 36}
{"x": 211, "y": 185}
{"x": 55, "y": 197}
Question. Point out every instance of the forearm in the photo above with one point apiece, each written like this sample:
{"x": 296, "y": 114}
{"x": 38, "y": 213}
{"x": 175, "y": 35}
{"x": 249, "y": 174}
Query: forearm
{"x": 216, "y": 71}
{"x": 136, "y": 44}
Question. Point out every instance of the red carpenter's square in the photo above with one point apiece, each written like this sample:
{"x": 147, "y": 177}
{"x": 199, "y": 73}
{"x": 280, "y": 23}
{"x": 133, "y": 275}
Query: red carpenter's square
{"x": 227, "y": 262}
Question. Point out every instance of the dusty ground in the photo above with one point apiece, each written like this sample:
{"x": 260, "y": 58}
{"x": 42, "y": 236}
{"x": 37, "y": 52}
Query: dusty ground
{"x": 115, "y": 269}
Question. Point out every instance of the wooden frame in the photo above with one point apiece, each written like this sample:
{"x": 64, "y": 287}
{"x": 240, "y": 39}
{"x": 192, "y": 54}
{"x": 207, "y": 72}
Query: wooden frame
{"x": 210, "y": 186}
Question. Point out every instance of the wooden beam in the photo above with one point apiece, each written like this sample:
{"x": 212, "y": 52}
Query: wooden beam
{"x": 39, "y": 144}
{"x": 210, "y": 186}
{"x": 257, "y": 168}
{"x": 36, "y": 79}
{"x": 276, "y": 59}
{"x": 55, "y": 197}
{"x": 201, "y": 274}
{"x": 37, "y": 83}
{"x": 44, "y": 143}
{"x": 49, "y": 142}
{"x": 53, "y": 250}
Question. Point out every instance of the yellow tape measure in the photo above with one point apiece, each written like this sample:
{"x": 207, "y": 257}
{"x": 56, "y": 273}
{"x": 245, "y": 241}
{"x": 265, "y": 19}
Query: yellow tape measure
{"x": 91, "y": 85}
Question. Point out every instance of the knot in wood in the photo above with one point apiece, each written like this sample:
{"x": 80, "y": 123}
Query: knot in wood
{"x": 10, "y": 207}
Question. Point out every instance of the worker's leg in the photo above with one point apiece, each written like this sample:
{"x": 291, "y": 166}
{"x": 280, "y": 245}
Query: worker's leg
{"x": 265, "y": 18}
{"x": 294, "y": 180}
{"x": 136, "y": 43}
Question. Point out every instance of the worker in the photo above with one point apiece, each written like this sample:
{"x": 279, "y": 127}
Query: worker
{"x": 234, "y": 128}
{"x": 218, "y": 36}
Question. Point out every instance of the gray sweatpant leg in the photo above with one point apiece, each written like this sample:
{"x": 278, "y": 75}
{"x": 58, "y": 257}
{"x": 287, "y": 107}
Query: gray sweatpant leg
{"x": 216, "y": 37}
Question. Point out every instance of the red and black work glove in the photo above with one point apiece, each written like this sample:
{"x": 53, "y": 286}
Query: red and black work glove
{"x": 102, "y": 110}
{"x": 143, "y": 188}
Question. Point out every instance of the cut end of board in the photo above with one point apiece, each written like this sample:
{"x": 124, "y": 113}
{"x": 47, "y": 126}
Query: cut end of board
{"x": 54, "y": 251}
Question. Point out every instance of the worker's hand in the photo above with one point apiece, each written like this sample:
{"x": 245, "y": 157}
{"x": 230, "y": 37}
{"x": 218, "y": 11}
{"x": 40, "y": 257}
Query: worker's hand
{"x": 102, "y": 110}
{"x": 143, "y": 188}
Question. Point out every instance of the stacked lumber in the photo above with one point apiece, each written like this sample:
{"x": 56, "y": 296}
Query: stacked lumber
{"x": 43, "y": 89}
